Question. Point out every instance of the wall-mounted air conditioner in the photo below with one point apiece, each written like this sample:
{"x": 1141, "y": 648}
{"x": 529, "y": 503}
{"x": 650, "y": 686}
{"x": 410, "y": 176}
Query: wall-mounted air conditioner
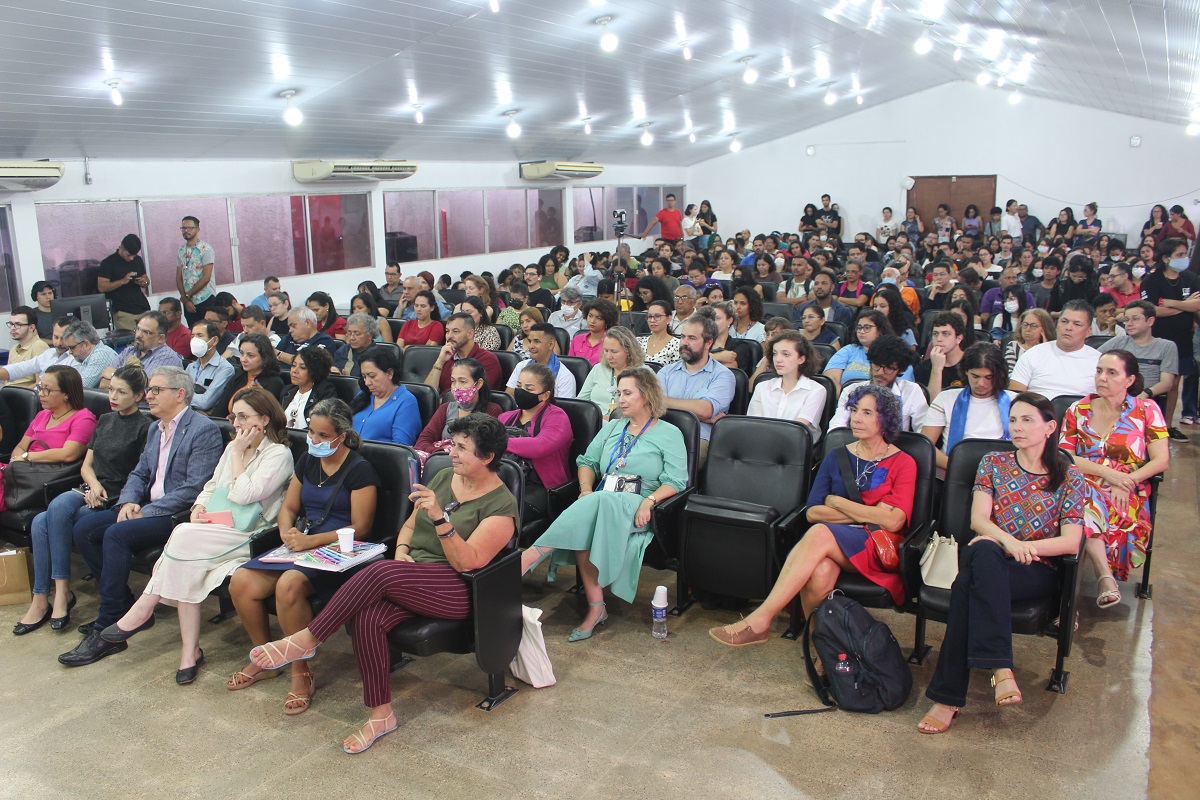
{"x": 318, "y": 171}
{"x": 29, "y": 176}
{"x": 559, "y": 170}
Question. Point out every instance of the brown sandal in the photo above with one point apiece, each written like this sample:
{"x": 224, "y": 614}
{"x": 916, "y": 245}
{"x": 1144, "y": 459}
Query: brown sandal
{"x": 241, "y": 679}
{"x": 304, "y": 700}
{"x": 1010, "y": 698}
{"x": 935, "y": 725}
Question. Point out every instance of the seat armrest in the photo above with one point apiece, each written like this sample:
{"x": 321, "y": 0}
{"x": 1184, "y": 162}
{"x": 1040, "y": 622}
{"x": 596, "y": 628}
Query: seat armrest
{"x": 911, "y": 550}
{"x": 264, "y": 541}
{"x": 560, "y": 497}
{"x": 793, "y": 523}
{"x": 496, "y": 610}
{"x": 664, "y": 520}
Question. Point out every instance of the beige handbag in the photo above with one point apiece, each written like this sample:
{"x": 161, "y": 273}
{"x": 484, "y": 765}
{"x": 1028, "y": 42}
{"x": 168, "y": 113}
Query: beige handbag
{"x": 939, "y": 562}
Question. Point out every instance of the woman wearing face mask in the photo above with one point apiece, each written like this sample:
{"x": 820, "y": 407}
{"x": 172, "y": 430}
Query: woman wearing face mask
{"x": 469, "y": 392}
{"x": 333, "y": 487}
{"x": 518, "y": 296}
{"x": 1034, "y": 326}
{"x": 1014, "y": 307}
{"x": 250, "y": 480}
{"x": 539, "y": 433}
{"x": 310, "y": 385}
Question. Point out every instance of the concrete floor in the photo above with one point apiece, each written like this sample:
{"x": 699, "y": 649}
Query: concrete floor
{"x": 631, "y": 717}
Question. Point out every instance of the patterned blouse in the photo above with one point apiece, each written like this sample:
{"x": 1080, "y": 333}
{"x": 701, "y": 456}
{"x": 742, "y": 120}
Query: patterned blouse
{"x": 1021, "y": 506}
{"x": 1125, "y": 448}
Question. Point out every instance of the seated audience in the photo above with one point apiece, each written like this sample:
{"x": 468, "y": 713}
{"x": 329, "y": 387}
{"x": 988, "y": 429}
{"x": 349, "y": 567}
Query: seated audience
{"x": 256, "y": 366}
{"x": 838, "y": 540}
{"x": 309, "y": 385}
{"x": 431, "y": 549}
{"x": 570, "y": 316}
{"x": 469, "y": 392}
{"x": 386, "y": 411}
{"x": 1027, "y": 507}
{"x": 333, "y": 487}
{"x": 792, "y": 394}
{"x": 539, "y": 343}
{"x": 1119, "y": 439}
{"x": 366, "y": 304}
{"x": 460, "y": 343}
{"x": 599, "y": 317}
{"x": 254, "y": 320}
{"x": 940, "y": 370}
{"x": 270, "y": 285}
{"x": 477, "y": 286}
{"x": 621, "y": 352}
{"x": 604, "y": 533}
{"x": 209, "y": 372}
{"x": 485, "y": 334}
{"x": 112, "y": 454}
{"x": 303, "y": 334}
{"x": 539, "y": 433}
{"x": 1105, "y": 323}
{"x": 660, "y": 347}
{"x": 854, "y": 291}
{"x": 525, "y": 322}
{"x": 328, "y": 320}
{"x": 812, "y": 327}
{"x": 182, "y": 449}
{"x": 91, "y": 356}
{"x": 649, "y": 290}
{"x": 249, "y": 480}
{"x": 685, "y": 304}
{"x": 518, "y": 294}
{"x": 1065, "y": 365}
{"x": 220, "y": 318}
{"x": 698, "y": 383}
{"x": 280, "y": 307}
{"x": 977, "y": 410}
{"x": 149, "y": 349}
{"x": 1034, "y": 327}
{"x": 426, "y": 325}
{"x": 889, "y": 357}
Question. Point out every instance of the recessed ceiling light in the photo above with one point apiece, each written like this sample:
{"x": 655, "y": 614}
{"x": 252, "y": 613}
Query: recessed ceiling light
{"x": 1014, "y": 98}
{"x": 735, "y": 146}
{"x": 830, "y": 97}
{"x": 504, "y": 92}
{"x": 513, "y": 130}
{"x": 983, "y": 78}
{"x": 114, "y": 94}
{"x": 692, "y": 137}
{"x": 822, "y": 67}
{"x": 647, "y": 138}
{"x": 587, "y": 124}
{"x": 280, "y": 66}
{"x": 494, "y": 5}
{"x": 687, "y": 51}
{"x": 859, "y": 100}
{"x": 750, "y": 75}
{"x": 608, "y": 39}
{"x": 1193, "y": 129}
{"x": 291, "y": 115}
{"x": 728, "y": 122}
{"x": 958, "y": 54}
{"x": 418, "y": 115}
{"x": 791, "y": 81}
{"x": 810, "y": 150}
{"x": 923, "y": 45}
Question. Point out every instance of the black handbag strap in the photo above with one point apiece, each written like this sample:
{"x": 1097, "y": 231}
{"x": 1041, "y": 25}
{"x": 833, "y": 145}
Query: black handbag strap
{"x": 337, "y": 487}
{"x": 843, "y": 458}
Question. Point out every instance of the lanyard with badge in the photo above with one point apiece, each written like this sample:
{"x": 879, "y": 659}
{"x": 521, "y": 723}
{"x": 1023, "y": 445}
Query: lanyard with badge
{"x": 624, "y": 483}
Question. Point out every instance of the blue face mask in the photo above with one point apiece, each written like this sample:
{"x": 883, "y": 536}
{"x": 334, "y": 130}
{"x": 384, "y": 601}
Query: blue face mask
{"x": 321, "y": 449}
{"x": 1179, "y": 264}
{"x": 891, "y": 281}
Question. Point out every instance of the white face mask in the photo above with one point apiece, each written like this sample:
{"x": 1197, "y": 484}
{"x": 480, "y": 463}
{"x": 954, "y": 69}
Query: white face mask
{"x": 199, "y": 347}
{"x": 1043, "y": 249}
{"x": 1011, "y": 306}
{"x": 779, "y": 263}
{"x": 569, "y": 310}
{"x": 1037, "y": 273}
{"x": 1138, "y": 272}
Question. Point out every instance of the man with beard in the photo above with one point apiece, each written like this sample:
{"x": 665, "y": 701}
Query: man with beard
{"x": 149, "y": 349}
{"x": 696, "y": 382}
{"x": 833, "y": 309}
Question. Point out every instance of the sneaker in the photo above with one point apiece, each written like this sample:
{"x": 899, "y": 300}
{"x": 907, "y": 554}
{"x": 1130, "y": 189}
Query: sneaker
{"x": 1186, "y": 420}
{"x": 1176, "y": 435}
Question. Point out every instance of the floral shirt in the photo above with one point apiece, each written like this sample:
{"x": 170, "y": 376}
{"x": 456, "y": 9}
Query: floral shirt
{"x": 193, "y": 260}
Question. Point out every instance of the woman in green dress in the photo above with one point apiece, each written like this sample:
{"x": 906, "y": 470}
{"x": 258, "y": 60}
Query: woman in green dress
{"x": 604, "y": 532}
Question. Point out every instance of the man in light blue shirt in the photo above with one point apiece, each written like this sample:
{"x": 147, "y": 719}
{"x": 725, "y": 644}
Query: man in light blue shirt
{"x": 270, "y": 286}
{"x": 91, "y": 355}
{"x": 698, "y": 383}
{"x": 209, "y": 371}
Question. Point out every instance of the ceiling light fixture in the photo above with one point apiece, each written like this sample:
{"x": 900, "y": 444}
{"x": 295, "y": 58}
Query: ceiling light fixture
{"x": 735, "y": 146}
{"x": 639, "y": 108}
{"x": 791, "y": 81}
{"x": 280, "y": 66}
{"x": 855, "y": 86}
{"x": 1193, "y": 129}
{"x": 994, "y": 44}
{"x": 924, "y": 44}
{"x": 291, "y": 115}
{"x": 741, "y": 39}
{"x": 494, "y": 5}
{"x": 513, "y": 130}
{"x": 728, "y": 122}
{"x": 830, "y": 95}
{"x": 647, "y": 138}
{"x": 608, "y": 39}
{"x": 958, "y": 54}
{"x": 859, "y": 100}
{"x": 822, "y": 67}
{"x": 750, "y": 75}
{"x": 418, "y": 115}
{"x": 114, "y": 94}
{"x": 692, "y": 137}
{"x": 1014, "y": 98}
{"x": 983, "y": 78}
{"x": 587, "y": 125}
{"x": 687, "y": 51}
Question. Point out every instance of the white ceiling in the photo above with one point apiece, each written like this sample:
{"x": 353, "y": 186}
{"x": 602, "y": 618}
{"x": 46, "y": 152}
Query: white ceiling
{"x": 196, "y": 75}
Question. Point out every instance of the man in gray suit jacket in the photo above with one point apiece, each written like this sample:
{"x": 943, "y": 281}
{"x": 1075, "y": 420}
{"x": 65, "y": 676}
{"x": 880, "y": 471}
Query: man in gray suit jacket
{"x": 181, "y": 453}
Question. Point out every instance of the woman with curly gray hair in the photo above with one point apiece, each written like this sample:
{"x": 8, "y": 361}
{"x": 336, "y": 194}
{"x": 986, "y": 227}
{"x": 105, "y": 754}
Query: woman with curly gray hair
{"x": 884, "y": 477}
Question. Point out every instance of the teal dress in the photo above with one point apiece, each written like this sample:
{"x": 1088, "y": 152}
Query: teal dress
{"x": 602, "y": 522}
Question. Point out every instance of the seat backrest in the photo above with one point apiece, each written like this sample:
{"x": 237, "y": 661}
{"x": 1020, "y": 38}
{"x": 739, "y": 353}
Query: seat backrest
{"x": 1062, "y": 403}
{"x": 564, "y": 341}
{"x": 831, "y": 400}
{"x": 773, "y": 309}
{"x": 510, "y": 473}
{"x": 226, "y": 429}
{"x": 23, "y": 403}
{"x": 297, "y": 441}
{"x": 580, "y": 367}
{"x": 508, "y": 363}
{"x": 392, "y": 506}
{"x": 505, "y": 401}
{"x": 917, "y": 446}
{"x": 506, "y": 335}
{"x": 395, "y": 325}
{"x": 418, "y": 361}
{"x": 347, "y": 388}
{"x": 843, "y": 332}
{"x": 428, "y": 400}
{"x": 96, "y": 401}
{"x": 1096, "y": 341}
{"x": 824, "y": 352}
{"x": 955, "y": 517}
{"x": 586, "y": 423}
{"x": 452, "y": 296}
{"x": 636, "y": 322}
{"x": 689, "y": 426}
{"x": 759, "y": 460}
{"x": 741, "y": 393}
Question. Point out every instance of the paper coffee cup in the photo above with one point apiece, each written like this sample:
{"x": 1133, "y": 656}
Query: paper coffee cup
{"x": 346, "y": 539}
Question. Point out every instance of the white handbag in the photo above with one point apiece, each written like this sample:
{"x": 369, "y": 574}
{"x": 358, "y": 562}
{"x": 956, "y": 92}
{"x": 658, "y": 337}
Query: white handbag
{"x": 532, "y": 664}
{"x": 939, "y": 562}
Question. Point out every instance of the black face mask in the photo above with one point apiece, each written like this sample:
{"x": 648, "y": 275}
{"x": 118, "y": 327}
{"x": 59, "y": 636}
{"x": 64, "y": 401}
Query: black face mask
{"x": 525, "y": 400}
{"x": 515, "y": 303}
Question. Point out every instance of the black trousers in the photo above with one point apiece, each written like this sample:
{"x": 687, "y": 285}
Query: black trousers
{"x": 979, "y": 628}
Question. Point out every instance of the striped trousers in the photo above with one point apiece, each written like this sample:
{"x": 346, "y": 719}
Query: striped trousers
{"x": 378, "y": 599}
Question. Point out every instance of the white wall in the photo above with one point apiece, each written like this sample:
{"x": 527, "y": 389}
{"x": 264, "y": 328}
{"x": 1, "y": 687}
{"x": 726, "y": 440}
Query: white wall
{"x": 149, "y": 180}
{"x": 1045, "y": 153}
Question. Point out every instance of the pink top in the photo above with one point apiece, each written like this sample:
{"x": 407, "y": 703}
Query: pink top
{"x": 76, "y": 428}
{"x": 580, "y": 346}
{"x": 548, "y": 450}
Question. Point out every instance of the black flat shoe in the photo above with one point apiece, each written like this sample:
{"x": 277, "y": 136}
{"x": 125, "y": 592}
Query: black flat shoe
{"x": 22, "y": 628}
{"x": 185, "y": 676}
{"x": 86, "y": 627}
{"x": 59, "y": 623}
{"x": 114, "y": 634}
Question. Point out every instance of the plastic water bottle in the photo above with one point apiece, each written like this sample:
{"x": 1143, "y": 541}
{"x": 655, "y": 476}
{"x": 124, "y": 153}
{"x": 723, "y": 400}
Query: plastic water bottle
{"x": 843, "y": 664}
{"x": 658, "y": 609}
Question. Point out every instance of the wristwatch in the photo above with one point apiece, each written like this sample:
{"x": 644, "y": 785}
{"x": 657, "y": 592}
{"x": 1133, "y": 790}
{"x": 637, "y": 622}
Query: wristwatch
{"x": 446, "y": 513}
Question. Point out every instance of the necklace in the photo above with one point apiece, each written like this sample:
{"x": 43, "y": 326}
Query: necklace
{"x": 863, "y": 475}
{"x": 55, "y": 418}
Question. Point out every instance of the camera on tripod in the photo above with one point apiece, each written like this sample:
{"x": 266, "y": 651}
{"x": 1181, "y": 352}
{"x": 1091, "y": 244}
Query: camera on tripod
{"x": 619, "y": 223}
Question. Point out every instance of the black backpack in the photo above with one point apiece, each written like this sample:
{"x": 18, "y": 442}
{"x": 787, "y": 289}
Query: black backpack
{"x": 865, "y": 670}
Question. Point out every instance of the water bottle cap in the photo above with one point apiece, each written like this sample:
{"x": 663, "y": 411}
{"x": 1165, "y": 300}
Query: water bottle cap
{"x": 841, "y": 656}
{"x": 660, "y": 596}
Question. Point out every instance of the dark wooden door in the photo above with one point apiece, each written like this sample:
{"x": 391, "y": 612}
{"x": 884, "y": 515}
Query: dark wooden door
{"x": 956, "y": 191}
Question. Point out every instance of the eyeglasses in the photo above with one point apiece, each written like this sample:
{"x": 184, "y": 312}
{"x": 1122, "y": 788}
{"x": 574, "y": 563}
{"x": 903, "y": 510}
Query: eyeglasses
{"x": 657, "y": 316}
{"x": 864, "y": 328}
{"x": 1032, "y": 325}
{"x": 679, "y": 297}
{"x": 241, "y": 418}
{"x": 154, "y": 391}
{"x": 12, "y": 324}
{"x": 186, "y": 228}
{"x": 43, "y": 389}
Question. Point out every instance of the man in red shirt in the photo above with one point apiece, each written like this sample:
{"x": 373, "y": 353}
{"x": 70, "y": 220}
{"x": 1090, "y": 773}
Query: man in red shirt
{"x": 1123, "y": 289}
{"x": 671, "y": 220}
{"x": 179, "y": 336}
{"x": 460, "y": 343}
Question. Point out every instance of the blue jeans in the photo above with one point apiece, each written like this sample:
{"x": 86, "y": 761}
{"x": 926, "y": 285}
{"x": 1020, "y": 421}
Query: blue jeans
{"x": 51, "y": 540}
{"x": 107, "y": 546}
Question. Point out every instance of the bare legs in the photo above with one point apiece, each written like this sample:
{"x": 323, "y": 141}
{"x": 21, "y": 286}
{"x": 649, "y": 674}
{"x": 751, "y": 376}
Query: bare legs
{"x": 589, "y": 574}
{"x": 189, "y": 625}
{"x": 248, "y": 589}
{"x": 811, "y": 570}
{"x": 1108, "y": 593}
